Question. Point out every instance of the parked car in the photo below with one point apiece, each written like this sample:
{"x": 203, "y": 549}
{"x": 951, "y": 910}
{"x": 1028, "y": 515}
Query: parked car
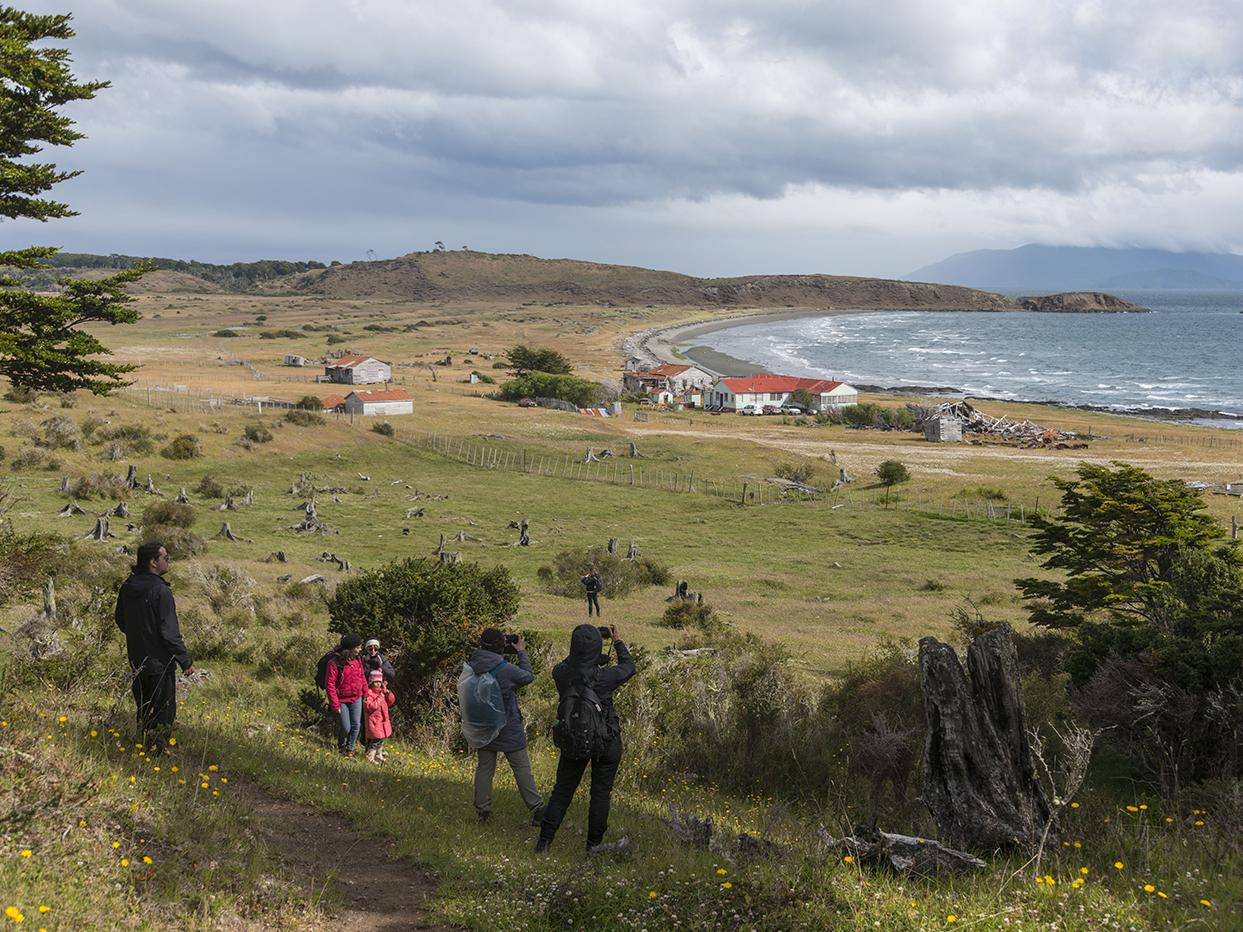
{"x": 792, "y": 409}
{"x": 750, "y": 410}
{"x": 772, "y": 409}
{"x": 526, "y": 403}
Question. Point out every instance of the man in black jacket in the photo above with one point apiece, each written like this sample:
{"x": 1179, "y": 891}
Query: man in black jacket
{"x": 585, "y": 660}
{"x": 147, "y": 614}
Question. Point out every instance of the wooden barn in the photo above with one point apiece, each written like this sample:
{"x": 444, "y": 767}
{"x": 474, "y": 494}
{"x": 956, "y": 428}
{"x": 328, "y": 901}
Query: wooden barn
{"x": 358, "y": 370}
{"x": 394, "y": 401}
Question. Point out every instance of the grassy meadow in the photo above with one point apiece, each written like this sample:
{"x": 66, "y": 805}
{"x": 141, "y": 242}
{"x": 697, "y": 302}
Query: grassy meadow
{"x": 828, "y": 580}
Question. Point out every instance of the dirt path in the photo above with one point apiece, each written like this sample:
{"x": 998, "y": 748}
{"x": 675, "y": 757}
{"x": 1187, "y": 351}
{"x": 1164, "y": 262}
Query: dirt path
{"x": 366, "y": 887}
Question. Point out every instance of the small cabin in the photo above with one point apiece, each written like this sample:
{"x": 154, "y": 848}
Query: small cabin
{"x": 394, "y": 401}
{"x": 358, "y": 370}
{"x": 943, "y": 428}
{"x": 292, "y": 359}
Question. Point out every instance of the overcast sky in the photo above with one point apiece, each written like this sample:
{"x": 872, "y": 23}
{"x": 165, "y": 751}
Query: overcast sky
{"x": 716, "y": 137}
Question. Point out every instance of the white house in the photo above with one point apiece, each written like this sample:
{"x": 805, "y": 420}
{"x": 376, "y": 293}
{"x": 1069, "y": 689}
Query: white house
{"x": 358, "y": 370}
{"x": 677, "y": 378}
{"x": 730, "y": 394}
{"x": 394, "y": 401}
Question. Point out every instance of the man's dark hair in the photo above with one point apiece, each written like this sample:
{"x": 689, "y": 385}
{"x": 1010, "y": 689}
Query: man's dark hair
{"x": 492, "y": 639}
{"x": 146, "y": 553}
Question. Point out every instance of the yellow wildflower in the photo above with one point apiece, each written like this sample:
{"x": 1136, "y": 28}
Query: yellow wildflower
{"x": 727, "y": 886}
{"x": 15, "y": 914}
{"x": 721, "y": 872}
{"x": 94, "y": 733}
{"x": 1162, "y": 895}
{"x": 147, "y": 860}
{"x": 172, "y": 742}
{"x": 1074, "y": 805}
{"x": 951, "y": 918}
{"x": 116, "y": 844}
{"x": 651, "y": 894}
{"x": 1131, "y": 809}
{"x": 212, "y": 769}
{"x": 45, "y": 909}
{"x": 1084, "y": 871}
{"x": 1206, "y": 902}
{"x": 125, "y": 862}
{"x": 26, "y": 852}
{"x": 1119, "y": 865}
{"x": 848, "y": 860}
{"x": 1149, "y": 888}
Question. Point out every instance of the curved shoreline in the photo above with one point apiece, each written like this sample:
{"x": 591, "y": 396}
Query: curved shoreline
{"x": 661, "y": 345}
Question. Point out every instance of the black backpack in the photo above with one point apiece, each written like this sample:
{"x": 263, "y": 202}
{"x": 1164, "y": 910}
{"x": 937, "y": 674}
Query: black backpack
{"x": 581, "y": 730}
{"x": 321, "y": 671}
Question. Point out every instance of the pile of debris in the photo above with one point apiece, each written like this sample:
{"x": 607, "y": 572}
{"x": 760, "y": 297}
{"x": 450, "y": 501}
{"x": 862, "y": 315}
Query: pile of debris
{"x": 974, "y": 421}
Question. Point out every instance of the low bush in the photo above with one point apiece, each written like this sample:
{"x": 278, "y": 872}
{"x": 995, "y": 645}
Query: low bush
{"x": 21, "y": 395}
{"x": 688, "y": 615}
{"x": 309, "y": 403}
{"x": 99, "y": 485}
{"x": 804, "y": 472}
{"x": 618, "y": 576}
{"x": 183, "y": 447}
{"x": 335, "y": 338}
{"x": 175, "y": 514}
{"x": 210, "y": 487}
{"x": 131, "y": 438}
{"x": 90, "y": 425}
{"x": 257, "y": 433}
{"x": 384, "y": 428}
{"x": 569, "y": 388}
{"x": 226, "y": 333}
{"x": 869, "y": 415}
{"x": 986, "y": 492}
{"x": 485, "y": 379}
{"x": 429, "y": 611}
{"x": 303, "y": 418}
{"x": 281, "y": 335}
{"x": 180, "y": 542}
{"x": 59, "y": 433}
{"x": 29, "y": 458}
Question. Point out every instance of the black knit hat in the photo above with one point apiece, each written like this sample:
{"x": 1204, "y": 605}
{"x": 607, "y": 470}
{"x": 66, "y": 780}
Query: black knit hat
{"x": 350, "y": 641}
{"x": 492, "y": 639}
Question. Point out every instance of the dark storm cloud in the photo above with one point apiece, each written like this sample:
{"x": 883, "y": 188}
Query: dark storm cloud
{"x": 322, "y": 108}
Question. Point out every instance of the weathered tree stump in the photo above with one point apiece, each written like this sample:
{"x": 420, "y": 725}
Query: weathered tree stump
{"x": 590, "y": 456}
{"x": 612, "y": 545}
{"x": 226, "y": 533}
{"x": 227, "y": 505}
{"x": 633, "y": 552}
{"x": 524, "y": 533}
{"x": 634, "y": 453}
{"x": 979, "y": 780}
{"x": 120, "y": 511}
{"x": 100, "y": 531}
{"x": 462, "y": 537}
{"x": 131, "y": 477}
{"x": 71, "y": 509}
{"x": 449, "y": 556}
{"x": 276, "y": 556}
{"x": 182, "y": 498}
{"x": 249, "y": 498}
{"x": 414, "y": 513}
{"x": 150, "y": 487}
{"x": 342, "y": 565}
{"x": 64, "y": 484}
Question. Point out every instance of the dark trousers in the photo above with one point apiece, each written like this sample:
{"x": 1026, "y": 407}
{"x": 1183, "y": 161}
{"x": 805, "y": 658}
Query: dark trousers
{"x": 593, "y": 598}
{"x": 155, "y": 696}
{"x": 569, "y": 774}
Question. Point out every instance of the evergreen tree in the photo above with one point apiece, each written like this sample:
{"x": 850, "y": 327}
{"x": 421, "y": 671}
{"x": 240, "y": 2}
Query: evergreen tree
{"x": 42, "y": 343}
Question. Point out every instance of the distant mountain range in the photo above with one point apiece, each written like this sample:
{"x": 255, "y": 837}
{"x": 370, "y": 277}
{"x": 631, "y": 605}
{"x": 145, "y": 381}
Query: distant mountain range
{"x": 1035, "y": 268}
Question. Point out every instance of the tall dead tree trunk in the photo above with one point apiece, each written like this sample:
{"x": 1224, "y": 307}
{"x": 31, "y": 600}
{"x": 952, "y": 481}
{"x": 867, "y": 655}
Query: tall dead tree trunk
{"x": 979, "y": 781}
{"x": 131, "y": 477}
{"x": 612, "y": 545}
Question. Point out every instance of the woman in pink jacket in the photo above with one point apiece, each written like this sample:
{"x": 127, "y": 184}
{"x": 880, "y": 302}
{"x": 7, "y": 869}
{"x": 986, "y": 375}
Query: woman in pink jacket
{"x": 379, "y": 697}
{"x": 346, "y": 682}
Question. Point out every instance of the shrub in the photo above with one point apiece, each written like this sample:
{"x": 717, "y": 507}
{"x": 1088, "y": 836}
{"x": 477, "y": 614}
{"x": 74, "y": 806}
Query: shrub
{"x": 304, "y": 418}
{"x": 868, "y": 415}
{"x": 891, "y": 472}
{"x": 257, "y": 433}
{"x": 210, "y": 487}
{"x": 227, "y": 589}
{"x": 28, "y": 458}
{"x": 533, "y": 359}
{"x": 131, "y": 438}
{"x": 60, "y": 433}
{"x": 384, "y": 428}
{"x": 618, "y": 576}
{"x": 226, "y": 333}
{"x": 335, "y": 338}
{"x": 20, "y": 395}
{"x": 175, "y": 514}
{"x": 309, "y": 403}
{"x": 429, "y": 611}
{"x": 183, "y": 447}
{"x": 576, "y": 391}
{"x": 90, "y": 425}
{"x": 484, "y": 379}
{"x": 795, "y": 472}
{"x": 682, "y": 615}
{"x": 986, "y": 492}
{"x": 281, "y": 335}
{"x": 99, "y": 485}
{"x": 180, "y": 542}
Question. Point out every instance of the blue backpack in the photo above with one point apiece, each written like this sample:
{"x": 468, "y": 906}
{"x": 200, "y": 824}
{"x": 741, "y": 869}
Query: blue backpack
{"x": 483, "y": 705}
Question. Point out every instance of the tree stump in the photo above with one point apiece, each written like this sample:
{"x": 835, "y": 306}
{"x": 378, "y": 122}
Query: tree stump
{"x": 227, "y": 505}
{"x": 71, "y": 509}
{"x": 524, "y": 533}
{"x": 64, "y": 484}
{"x": 150, "y": 488}
{"x": 634, "y": 453}
{"x": 612, "y": 545}
{"x": 120, "y": 511}
{"x": 449, "y": 556}
{"x": 979, "y": 781}
{"x": 131, "y": 477}
{"x": 226, "y": 533}
{"x": 182, "y": 498}
{"x": 633, "y": 552}
{"x": 249, "y": 497}
{"x": 100, "y": 531}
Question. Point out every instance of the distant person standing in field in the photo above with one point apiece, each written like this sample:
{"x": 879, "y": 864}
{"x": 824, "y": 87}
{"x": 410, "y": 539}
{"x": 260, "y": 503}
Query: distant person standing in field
{"x": 592, "y": 586}
{"x": 147, "y": 614}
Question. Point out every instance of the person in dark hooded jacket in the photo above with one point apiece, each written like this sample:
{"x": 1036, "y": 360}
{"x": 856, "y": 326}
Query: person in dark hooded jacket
{"x": 147, "y": 615}
{"x": 586, "y": 660}
{"x": 512, "y": 739}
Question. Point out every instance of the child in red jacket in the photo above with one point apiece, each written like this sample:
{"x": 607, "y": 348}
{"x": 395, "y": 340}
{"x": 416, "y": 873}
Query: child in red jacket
{"x": 375, "y": 711}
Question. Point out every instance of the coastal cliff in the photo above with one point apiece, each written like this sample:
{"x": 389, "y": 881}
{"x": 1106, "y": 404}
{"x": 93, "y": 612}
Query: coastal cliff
{"x": 1080, "y": 302}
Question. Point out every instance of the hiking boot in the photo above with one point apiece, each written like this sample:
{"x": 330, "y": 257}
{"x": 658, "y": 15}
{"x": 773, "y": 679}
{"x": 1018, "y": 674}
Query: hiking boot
{"x": 542, "y": 846}
{"x": 621, "y": 848}
{"x": 537, "y": 814}
{"x": 485, "y": 818}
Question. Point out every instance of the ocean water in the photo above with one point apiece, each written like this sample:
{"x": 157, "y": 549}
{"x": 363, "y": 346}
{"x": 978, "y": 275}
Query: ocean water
{"x": 1187, "y": 353}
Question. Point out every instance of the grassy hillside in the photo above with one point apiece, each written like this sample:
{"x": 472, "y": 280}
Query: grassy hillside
{"x": 826, "y": 580}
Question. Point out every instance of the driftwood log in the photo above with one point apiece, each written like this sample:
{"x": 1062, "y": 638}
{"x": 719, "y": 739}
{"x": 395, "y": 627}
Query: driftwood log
{"x": 979, "y": 780}
{"x": 904, "y": 854}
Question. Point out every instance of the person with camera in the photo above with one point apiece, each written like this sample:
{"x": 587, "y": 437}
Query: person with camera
{"x": 512, "y": 738}
{"x": 587, "y": 731}
{"x": 592, "y": 585}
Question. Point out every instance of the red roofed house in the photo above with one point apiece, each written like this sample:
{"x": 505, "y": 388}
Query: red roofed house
{"x": 679, "y": 379}
{"x": 393, "y": 401}
{"x": 358, "y": 370}
{"x": 730, "y": 394}
{"x": 333, "y": 402}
